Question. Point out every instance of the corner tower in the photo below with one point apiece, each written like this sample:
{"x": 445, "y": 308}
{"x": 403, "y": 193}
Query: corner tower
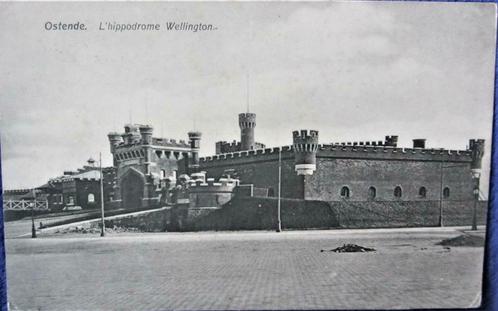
{"x": 247, "y": 123}
{"x": 194, "y": 139}
{"x": 476, "y": 146}
{"x": 305, "y": 147}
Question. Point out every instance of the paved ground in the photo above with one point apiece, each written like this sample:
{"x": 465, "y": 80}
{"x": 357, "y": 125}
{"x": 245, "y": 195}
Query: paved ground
{"x": 244, "y": 270}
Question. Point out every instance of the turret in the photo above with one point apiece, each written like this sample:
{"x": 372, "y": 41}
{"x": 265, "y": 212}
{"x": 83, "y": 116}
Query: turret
{"x": 114, "y": 140}
{"x": 194, "y": 139}
{"x": 131, "y": 134}
{"x": 146, "y": 134}
{"x": 305, "y": 147}
{"x": 476, "y": 146}
{"x": 391, "y": 141}
{"x": 247, "y": 123}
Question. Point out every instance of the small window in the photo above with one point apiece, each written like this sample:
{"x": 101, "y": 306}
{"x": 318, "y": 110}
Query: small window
{"x": 271, "y": 192}
{"x": 422, "y": 192}
{"x": 372, "y": 193}
{"x": 398, "y": 192}
{"x": 446, "y": 192}
{"x": 345, "y": 192}
{"x": 91, "y": 198}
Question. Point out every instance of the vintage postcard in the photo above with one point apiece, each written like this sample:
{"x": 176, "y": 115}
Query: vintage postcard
{"x": 246, "y": 155}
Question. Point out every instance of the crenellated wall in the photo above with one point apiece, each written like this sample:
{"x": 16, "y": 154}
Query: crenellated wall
{"x": 356, "y": 167}
{"x": 258, "y": 167}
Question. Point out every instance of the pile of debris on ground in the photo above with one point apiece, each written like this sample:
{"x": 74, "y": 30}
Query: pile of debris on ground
{"x": 351, "y": 248}
{"x": 463, "y": 240}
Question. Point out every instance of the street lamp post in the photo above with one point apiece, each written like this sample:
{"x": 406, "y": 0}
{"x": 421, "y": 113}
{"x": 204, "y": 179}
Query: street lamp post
{"x": 476, "y": 174}
{"x": 102, "y": 232}
{"x": 33, "y": 228}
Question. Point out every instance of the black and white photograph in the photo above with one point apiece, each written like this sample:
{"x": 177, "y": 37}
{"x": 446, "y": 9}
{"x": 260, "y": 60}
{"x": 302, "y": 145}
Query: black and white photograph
{"x": 246, "y": 155}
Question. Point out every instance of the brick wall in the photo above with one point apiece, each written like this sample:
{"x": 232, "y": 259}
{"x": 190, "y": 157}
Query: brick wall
{"x": 262, "y": 171}
{"x": 407, "y": 214}
{"x": 360, "y": 174}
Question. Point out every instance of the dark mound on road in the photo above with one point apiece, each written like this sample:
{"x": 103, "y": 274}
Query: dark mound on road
{"x": 463, "y": 240}
{"x": 351, "y": 248}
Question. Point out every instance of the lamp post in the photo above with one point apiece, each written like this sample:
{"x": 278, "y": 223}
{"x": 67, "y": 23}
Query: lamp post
{"x": 279, "y": 220}
{"x": 476, "y": 174}
{"x": 33, "y": 228}
{"x": 102, "y": 232}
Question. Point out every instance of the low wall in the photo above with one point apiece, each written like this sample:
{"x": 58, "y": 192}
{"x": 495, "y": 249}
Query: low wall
{"x": 246, "y": 213}
{"x": 261, "y": 214}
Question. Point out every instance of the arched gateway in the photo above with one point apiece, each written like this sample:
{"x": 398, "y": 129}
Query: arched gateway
{"x": 132, "y": 189}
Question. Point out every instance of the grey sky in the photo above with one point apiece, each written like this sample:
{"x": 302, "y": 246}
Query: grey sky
{"x": 353, "y": 71}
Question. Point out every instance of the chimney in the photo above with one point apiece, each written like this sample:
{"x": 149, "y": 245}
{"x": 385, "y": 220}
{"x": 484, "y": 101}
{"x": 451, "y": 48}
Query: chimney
{"x": 419, "y": 143}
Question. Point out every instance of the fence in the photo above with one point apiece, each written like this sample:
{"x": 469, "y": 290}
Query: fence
{"x": 21, "y": 205}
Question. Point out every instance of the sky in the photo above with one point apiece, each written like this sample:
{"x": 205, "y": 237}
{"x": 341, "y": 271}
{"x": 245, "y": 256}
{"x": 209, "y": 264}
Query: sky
{"x": 353, "y": 71}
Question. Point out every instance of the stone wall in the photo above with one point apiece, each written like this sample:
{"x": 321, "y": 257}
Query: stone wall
{"x": 261, "y": 214}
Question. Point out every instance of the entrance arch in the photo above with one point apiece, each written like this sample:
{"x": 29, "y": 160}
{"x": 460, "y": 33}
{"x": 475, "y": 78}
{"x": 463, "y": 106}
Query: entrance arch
{"x": 132, "y": 189}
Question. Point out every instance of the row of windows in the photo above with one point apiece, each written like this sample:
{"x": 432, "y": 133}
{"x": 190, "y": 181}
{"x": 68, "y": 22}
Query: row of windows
{"x": 130, "y": 154}
{"x": 398, "y": 192}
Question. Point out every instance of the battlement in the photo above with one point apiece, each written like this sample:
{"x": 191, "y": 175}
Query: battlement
{"x": 141, "y": 134}
{"x": 233, "y": 143}
{"x": 194, "y": 135}
{"x": 303, "y": 137}
{"x": 248, "y": 153}
{"x": 344, "y": 152}
{"x": 360, "y": 143}
{"x": 210, "y": 185}
{"x": 247, "y": 120}
{"x": 391, "y": 141}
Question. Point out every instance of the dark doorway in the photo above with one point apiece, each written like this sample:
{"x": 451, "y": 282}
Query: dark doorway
{"x": 132, "y": 191}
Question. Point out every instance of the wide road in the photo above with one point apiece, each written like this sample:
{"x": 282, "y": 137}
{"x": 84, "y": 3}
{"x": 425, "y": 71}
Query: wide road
{"x": 242, "y": 270}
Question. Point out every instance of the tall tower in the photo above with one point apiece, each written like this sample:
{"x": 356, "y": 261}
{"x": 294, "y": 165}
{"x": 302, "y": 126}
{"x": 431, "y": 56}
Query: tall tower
{"x": 145, "y": 137}
{"x": 194, "y": 139}
{"x": 247, "y": 123}
{"x": 305, "y": 147}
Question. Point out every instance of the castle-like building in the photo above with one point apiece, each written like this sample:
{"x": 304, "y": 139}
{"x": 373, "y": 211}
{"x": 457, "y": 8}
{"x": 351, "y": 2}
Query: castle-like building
{"x": 346, "y": 184}
{"x": 354, "y": 171}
